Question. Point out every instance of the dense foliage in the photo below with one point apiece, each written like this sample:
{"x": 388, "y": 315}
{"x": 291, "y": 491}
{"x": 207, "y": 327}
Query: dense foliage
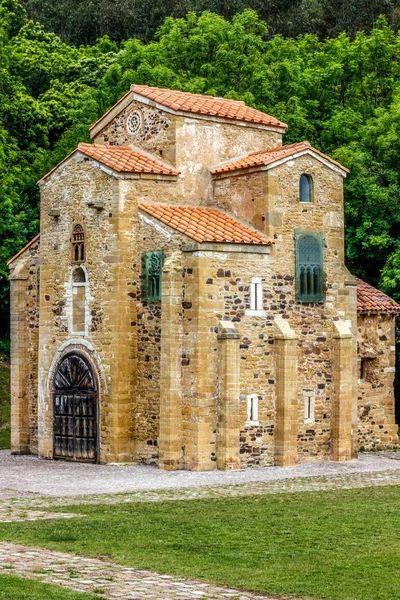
{"x": 83, "y": 21}
{"x": 341, "y": 94}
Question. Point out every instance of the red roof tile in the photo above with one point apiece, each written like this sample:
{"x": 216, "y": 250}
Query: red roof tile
{"x": 369, "y": 299}
{"x": 205, "y": 224}
{"x": 206, "y": 105}
{"x": 125, "y": 160}
{"x": 122, "y": 159}
{"x": 267, "y": 157}
{"x": 28, "y": 245}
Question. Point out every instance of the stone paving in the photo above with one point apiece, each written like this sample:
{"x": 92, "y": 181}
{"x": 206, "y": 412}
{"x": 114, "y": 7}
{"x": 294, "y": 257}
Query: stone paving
{"x": 20, "y": 506}
{"x": 67, "y": 479}
{"x": 108, "y": 580}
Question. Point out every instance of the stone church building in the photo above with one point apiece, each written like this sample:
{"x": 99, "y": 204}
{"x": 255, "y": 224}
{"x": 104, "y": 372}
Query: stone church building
{"x": 187, "y": 302}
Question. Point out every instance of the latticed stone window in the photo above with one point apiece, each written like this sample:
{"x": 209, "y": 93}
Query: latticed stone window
{"x": 152, "y": 263}
{"x": 310, "y": 278}
{"x": 78, "y": 244}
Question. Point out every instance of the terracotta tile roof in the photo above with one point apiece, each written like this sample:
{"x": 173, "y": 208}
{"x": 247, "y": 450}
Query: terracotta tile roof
{"x": 206, "y": 105}
{"x": 269, "y": 156}
{"x": 122, "y": 159}
{"x": 205, "y": 224}
{"x": 369, "y": 299}
{"x": 125, "y": 160}
{"x": 28, "y": 245}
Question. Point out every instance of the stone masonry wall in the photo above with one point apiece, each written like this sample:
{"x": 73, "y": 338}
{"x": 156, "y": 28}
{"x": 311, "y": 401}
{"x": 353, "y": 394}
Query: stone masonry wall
{"x": 270, "y": 201}
{"x": 157, "y": 134}
{"x": 192, "y": 145}
{"x": 376, "y": 350}
{"x": 152, "y": 236}
{"x": 28, "y": 264}
{"x": 110, "y": 340}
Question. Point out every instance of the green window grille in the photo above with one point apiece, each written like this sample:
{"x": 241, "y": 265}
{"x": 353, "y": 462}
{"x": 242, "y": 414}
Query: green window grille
{"x": 310, "y": 277}
{"x": 152, "y": 263}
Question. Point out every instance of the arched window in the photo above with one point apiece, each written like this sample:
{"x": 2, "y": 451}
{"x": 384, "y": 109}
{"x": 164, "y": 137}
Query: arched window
{"x": 306, "y": 188}
{"x": 78, "y": 244}
{"x": 309, "y": 268}
{"x": 78, "y": 300}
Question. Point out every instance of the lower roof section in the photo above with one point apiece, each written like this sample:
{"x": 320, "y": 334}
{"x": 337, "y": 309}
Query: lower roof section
{"x": 205, "y": 224}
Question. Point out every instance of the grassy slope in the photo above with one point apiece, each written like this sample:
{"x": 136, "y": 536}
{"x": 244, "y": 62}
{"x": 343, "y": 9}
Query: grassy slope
{"x": 342, "y": 545}
{"x": 14, "y": 588}
{"x": 4, "y": 408}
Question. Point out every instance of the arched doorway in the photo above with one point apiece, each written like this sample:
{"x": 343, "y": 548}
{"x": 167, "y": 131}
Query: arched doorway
{"x": 75, "y": 410}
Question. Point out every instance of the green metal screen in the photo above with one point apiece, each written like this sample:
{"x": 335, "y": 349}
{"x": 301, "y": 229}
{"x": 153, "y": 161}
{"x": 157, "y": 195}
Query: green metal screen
{"x": 310, "y": 277}
{"x": 152, "y": 263}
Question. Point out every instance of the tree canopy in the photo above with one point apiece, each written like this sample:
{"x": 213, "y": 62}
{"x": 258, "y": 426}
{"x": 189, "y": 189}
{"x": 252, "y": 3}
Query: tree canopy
{"x": 341, "y": 93}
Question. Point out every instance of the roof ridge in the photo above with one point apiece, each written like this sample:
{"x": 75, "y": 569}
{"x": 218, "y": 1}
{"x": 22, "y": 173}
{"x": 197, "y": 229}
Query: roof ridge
{"x": 250, "y": 160}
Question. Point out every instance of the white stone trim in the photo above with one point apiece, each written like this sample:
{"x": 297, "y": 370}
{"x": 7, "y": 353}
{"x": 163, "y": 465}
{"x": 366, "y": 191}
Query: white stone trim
{"x": 252, "y": 410}
{"x": 309, "y": 407}
{"x": 69, "y": 287}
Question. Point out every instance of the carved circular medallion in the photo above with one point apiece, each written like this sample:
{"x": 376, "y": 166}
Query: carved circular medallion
{"x": 134, "y": 122}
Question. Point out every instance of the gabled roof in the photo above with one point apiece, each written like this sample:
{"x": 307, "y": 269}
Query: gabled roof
{"x": 270, "y": 157}
{"x": 179, "y": 102}
{"x": 369, "y": 299}
{"x": 121, "y": 159}
{"x": 204, "y": 224}
{"x": 28, "y": 245}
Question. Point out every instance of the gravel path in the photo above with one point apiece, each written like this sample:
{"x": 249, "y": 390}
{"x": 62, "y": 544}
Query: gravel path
{"x": 107, "y": 579}
{"x": 66, "y": 479}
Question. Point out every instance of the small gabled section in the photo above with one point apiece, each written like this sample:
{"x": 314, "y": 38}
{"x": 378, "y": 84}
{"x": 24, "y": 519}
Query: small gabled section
{"x": 122, "y": 160}
{"x": 371, "y": 300}
{"x": 270, "y": 158}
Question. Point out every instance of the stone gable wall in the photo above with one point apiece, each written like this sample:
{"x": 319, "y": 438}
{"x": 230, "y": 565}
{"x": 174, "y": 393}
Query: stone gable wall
{"x": 157, "y": 134}
{"x": 270, "y": 201}
{"x": 111, "y": 264}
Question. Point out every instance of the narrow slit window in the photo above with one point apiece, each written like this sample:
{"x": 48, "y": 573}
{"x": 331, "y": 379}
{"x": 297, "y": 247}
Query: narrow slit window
{"x": 306, "y": 188}
{"x": 252, "y": 409}
{"x": 256, "y": 294}
{"x": 309, "y": 402}
{"x": 78, "y": 244}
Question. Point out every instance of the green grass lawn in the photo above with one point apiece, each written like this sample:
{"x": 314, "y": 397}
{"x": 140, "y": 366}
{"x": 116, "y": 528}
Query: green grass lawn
{"x": 4, "y": 408}
{"x": 15, "y": 588}
{"x": 334, "y": 544}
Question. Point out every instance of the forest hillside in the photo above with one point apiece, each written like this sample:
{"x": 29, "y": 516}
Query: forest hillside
{"x": 341, "y": 93}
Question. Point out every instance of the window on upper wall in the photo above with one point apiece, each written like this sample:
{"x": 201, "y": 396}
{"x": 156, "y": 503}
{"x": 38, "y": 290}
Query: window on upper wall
{"x": 152, "y": 263}
{"x": 78, "y": 244}
{"x": 78, "y": 300}
{"x": 310, "y": 277}
{"x": 306, "y": 188}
